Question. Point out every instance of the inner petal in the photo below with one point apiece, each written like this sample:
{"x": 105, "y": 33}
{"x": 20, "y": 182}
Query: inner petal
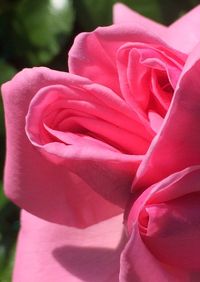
{"x": 155, "y": 120}
{"x": 161, "y": 90}
{"x": 54, "y": 113}
{"x": 173, "y": 231}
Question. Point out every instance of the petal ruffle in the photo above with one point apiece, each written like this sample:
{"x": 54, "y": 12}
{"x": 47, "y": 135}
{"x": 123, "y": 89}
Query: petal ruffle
{"x": 93, "y": 54}
{"x": 163, "y": 219}
{"x": 176, "y": 146}
{"x": 139, "y": 265}
{"x": 41, "y": 187}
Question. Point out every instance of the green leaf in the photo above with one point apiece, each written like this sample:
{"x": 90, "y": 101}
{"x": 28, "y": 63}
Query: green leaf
{"x": 171, "y": 10}
{"x": 6, "y": 269}
{"x": 91, "y": 13}
{"x": 3, "y": 199}
{"x": 7, "y": 71}
{"x": 9, "y": 225}
{"x": 32, "y": 32}
{"x": 43, "y": 23}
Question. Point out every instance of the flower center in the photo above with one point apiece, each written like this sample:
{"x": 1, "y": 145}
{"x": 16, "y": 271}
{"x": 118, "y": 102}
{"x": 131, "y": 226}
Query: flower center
{"x": 148, "y": 76}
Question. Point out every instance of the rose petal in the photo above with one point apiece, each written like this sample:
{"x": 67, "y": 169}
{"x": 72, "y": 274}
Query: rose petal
{"x": 34, "y": 183}
{"x": 168, "y": 219}
{"x": 186, "y": 25}
{"x": 73, "y": 109}
{"x": 139, "y": 265}
{"x": 175, "y": 225}
{"x": 48, "y": 252}
{"x": 122, "y": 14}
{"x": 93, "y": 55}
{"x": 177, "y": 144}
{"x": 107, "y": 163}
{"x": 176, "y": 185}
{"x": 135, "y": 62}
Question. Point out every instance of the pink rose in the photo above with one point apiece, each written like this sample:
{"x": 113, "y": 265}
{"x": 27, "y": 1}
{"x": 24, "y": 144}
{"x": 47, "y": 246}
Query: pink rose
{"x": 127, "y": 111}
{"x": 164, "y": 228}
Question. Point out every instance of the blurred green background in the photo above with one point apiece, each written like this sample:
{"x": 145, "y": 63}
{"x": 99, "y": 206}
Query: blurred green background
{"x": 39, "y": 32}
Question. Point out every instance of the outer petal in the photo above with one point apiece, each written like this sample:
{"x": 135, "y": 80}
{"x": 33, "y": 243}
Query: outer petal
{"x": 122, "y": 14}
{"x": 177, "y": 144}
{"x": 43, "y": 188}
{"x": 103, "y": 143}
{"x": 49, "y": 252}
{"x": 139, "y": 265}
{"x": 175, "y": 229}
{"x": 184, "y": 34}
{"x": 93, "y": 54}
{"x": 187, "y": 24}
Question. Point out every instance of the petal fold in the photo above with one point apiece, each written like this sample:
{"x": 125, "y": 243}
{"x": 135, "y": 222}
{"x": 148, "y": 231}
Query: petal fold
{"x": 36, "y": 184}
{"x": 176, "y": 146}
{"x": 139, "y": 265}
{"x": 93, "y": 54}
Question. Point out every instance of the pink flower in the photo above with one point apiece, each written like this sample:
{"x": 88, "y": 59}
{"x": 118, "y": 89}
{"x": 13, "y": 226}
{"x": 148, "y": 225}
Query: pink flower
{"x": 164, "y": 228}
{"x": 127, "y": 112}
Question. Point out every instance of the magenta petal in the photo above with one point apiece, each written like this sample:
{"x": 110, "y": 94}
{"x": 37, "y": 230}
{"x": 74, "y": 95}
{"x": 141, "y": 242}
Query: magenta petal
{"x": 49, "y": 252}
{"x": 87, "y": 129}
{"x": 173, "y": 231}
{"x": 177, "y": 144}
{"x": 33, "y": 182}
{"x": 122, "y": 14}
{"x": 167, "y": 216}
{"x": 139, "y": 265}
{"x": 184, "y": 33}
{"x": 93, "y": 54}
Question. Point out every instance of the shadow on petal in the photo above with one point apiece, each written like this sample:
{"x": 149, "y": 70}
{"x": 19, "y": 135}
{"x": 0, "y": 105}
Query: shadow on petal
{"x": 91, "y": 263}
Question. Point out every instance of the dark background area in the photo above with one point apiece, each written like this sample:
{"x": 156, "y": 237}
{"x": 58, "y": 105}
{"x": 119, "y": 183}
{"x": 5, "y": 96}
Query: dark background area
{"x": 34, "y": 33}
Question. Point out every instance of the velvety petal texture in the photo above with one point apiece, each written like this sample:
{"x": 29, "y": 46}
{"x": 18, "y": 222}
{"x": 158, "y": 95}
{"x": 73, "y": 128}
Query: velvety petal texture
{"x": 38, "y": 185}
{"x": 178, "y": 140}
{"x": 135, "y": 63}
{"x": 49, "y": 252}
{"x": 91, "y": 131}
{"x": 139, "y": 265}
{"x": 94, "y": 54}
{"x": 148, "y": 75}
{"x": 164, "y": 230}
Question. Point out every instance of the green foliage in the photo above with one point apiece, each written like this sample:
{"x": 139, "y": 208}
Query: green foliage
{"x": 9, "y": 225}
{"x": 92, "y": 13}
{"x": 7, "y": 71}
{"x": 171, "y": 10}
{"x": 32, "y": 32}
{"x": 6, "y": 269}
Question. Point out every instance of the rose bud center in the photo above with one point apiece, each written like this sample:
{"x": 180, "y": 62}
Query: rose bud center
{"x": 148, "y": 78}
